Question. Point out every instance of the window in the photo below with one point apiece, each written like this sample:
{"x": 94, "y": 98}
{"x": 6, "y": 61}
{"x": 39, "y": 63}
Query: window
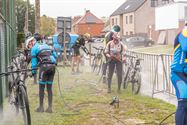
{"x": 131, "y": 33}
{"x": 154, "y": 3}
{"x": 131, "y": 19}
{"x": 126, "y": 19}
{"x": 116, "y": 21}
{"x": 112, "y": 21}
{"x": 127, "y": 33}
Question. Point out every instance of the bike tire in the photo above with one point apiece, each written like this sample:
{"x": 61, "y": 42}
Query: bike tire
{"x": 100, "y": 66}
{"x": 13, "y": 100}
{"x": 93, "y": 64}
{"x": 125, "y": 81}
{"x": 136, "y": 85}
{"x": 24, "y": 105}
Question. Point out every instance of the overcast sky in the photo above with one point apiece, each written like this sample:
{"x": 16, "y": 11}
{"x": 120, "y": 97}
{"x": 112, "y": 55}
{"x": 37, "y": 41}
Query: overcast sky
{"x": 54, "y": 8}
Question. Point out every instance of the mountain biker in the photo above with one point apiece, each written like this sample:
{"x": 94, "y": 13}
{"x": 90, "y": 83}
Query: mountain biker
{"x": 80, "y": 42}
{"x": 44, "y": 57}
{"x": 114, "y": 52}
{"x": 108, "y": 38}
{"x": 179, "y": 76}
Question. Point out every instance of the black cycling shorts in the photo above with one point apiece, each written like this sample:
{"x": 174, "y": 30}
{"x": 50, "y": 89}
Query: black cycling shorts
{"x": 76, "y": 51}
{"x": 46, "y": 74}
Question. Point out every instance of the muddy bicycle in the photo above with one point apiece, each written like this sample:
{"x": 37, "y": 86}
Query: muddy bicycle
{"x": 18, "y": 94}
{"x": 132, "y": 74}
{"x": 97, "y": 61}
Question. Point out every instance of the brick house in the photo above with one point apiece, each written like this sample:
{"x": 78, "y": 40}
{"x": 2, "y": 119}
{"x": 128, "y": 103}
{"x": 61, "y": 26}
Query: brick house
{"x": 89, "y": 23}
{"x": 137, "y": 16}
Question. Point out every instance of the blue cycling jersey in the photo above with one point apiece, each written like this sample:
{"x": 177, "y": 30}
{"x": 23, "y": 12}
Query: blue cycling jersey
{"x": 178, "y": 66}
{"x": 36, "y": 49}
{"x": 180, "y": 54}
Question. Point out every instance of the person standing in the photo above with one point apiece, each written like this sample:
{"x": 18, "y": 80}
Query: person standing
{"x": 114, "y": 52}
{"x": 108, "y": 38}
{"x": 179, "y": 76}
{"x": 80, "y": 42}
{"x": 44, "y": 57}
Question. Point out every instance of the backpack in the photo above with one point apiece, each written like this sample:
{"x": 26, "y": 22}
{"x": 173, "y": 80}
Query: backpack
{"x": 44, "y": 56}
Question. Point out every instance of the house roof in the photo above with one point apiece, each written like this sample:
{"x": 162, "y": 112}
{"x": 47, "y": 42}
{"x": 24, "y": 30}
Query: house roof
{"x": 89, "y": 18}
{"x": 128, "y": 6}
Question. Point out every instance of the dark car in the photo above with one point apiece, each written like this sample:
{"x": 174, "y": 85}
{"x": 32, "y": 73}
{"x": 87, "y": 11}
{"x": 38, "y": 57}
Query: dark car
{"x": 137, "y": 41}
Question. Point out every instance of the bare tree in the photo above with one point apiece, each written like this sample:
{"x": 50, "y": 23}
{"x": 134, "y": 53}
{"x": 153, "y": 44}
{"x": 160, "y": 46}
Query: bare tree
{"x": 37, "y": 16}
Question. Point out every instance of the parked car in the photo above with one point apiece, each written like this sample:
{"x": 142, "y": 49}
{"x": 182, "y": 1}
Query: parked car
{"x": 137, "y": 41}
{"x": 98, "y": 40}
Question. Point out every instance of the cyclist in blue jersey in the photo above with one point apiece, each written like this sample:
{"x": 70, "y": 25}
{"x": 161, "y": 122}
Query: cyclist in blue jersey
{"x": 44, "y": 57}
{"x": 179, "y": 75}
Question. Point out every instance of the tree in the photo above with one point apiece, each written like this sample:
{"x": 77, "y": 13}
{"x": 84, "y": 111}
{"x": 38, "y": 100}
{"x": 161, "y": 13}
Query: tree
{"x": 37, "y": 16}
{"x": 47, "y": 26}
{"x": 20, "y": 14}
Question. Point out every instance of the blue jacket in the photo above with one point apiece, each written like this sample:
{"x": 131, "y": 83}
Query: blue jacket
{"x": 36, "y": 49}
{"x": 179, "y": 63}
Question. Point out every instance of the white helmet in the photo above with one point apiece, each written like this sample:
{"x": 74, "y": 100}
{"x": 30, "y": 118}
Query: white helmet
{"x": 28, "y": 40}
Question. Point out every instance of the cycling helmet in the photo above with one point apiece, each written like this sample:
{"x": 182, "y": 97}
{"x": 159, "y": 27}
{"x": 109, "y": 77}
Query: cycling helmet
{"x": 37, "y": 36}
{"x": 28, "y": 40}
{"x": 86, "y": 36}
{"x": 116, "y": 28}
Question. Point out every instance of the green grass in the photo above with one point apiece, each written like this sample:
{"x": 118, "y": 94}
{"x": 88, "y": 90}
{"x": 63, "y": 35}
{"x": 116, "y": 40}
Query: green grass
{"x": 88, "y": 103}
{"x": 158, "y": 49}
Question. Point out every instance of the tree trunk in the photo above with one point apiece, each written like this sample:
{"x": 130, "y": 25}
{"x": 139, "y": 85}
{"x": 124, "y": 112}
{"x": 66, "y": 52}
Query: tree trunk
{"x": 37, "y": 16}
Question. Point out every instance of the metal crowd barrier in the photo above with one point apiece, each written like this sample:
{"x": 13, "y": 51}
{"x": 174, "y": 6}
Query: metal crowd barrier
{"x": 155, "y": 72}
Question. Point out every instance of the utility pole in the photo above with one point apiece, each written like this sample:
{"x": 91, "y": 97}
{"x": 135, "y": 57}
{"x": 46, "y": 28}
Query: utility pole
{"x": 37, "y": 16}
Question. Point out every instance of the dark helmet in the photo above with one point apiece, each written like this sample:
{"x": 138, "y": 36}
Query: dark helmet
{"x": 116, "y": 28}
{"x": 37, "y": 36}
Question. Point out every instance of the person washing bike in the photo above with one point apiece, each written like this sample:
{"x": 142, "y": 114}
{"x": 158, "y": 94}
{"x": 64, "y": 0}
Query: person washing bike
{"x": 80, "y": 42}
{"x": 108, "y": 38}
{"x": 114, "y": 52}
{"x": 179, "y": 75}
{"x": 44, "y": 57}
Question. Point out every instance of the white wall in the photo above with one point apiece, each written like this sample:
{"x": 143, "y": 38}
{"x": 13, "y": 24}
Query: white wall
{"x": 182, "y": 10}
{"x": 167, "y": 17}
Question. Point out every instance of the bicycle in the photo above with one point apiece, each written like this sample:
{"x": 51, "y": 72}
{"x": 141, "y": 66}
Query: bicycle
{"x": 18, "y": 94}
{"x": 97, "y": 61}
{"x": 17, "y": 73}
{"x": 133, "y": 74}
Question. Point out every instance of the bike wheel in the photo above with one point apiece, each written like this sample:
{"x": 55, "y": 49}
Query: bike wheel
{"x": 24, "y": 105}
{"x": 136, "y": 84}
{"x": 100, "y": 65}
{"x": 126, "y": 79}
{"x": 13, "y": 100}
{"x": 93, "y": 64}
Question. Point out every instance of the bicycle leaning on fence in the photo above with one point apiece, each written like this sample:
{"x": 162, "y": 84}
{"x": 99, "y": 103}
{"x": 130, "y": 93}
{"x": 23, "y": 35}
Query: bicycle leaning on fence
{"x": 18, "y": 94}
{"x": 17, "y": 74}
{"x": 97, "y": 61}
{"x": 132, "y": 73}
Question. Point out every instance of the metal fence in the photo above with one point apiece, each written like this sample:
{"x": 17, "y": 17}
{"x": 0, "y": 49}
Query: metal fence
{"x": 7, "y": 41}
{"x": 155, "y": 73}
